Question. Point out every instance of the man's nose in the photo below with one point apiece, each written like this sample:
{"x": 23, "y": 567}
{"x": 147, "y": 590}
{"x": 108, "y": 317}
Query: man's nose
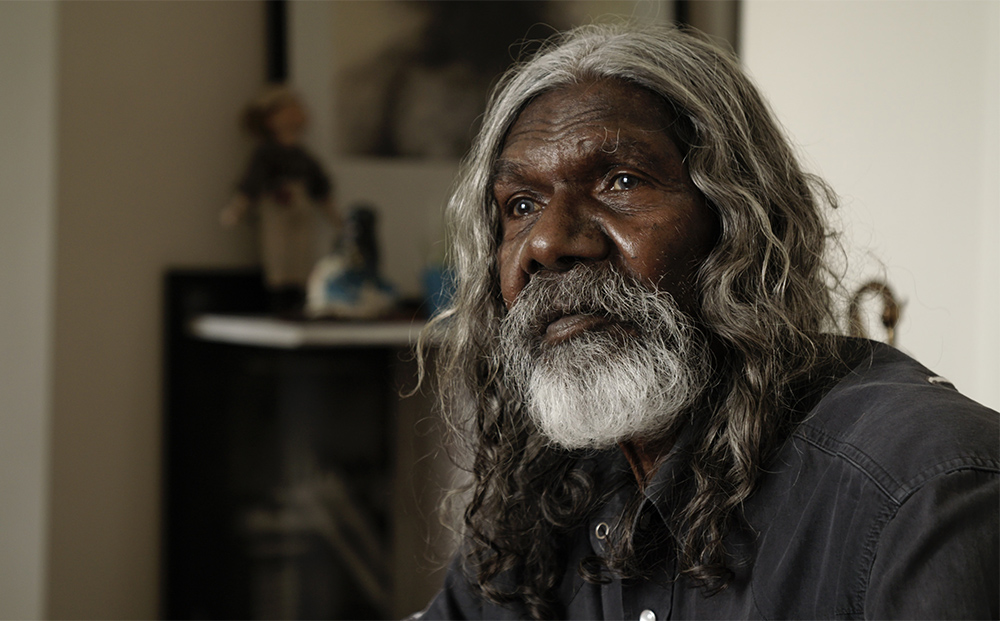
{"x": 566, "y": 232}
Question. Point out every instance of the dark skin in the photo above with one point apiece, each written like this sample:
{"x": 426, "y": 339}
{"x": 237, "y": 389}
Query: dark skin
{"x": 591, "y": 173}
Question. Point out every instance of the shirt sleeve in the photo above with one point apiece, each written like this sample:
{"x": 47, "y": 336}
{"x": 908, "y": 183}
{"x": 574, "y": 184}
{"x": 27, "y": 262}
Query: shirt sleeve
{"x": 939, "y": 556}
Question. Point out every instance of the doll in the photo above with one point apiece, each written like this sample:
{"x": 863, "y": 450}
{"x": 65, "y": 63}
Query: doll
{"x": 290, "y": 192}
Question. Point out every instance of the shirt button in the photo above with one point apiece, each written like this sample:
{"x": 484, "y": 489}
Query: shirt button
{"x": 602, "y": 531}
{"x": 647, "y": 615}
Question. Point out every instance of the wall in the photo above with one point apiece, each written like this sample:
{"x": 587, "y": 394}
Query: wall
{"x": 27, "y": 212}
{"x": 896, "y": 105}
{"x": 149, "y": 95}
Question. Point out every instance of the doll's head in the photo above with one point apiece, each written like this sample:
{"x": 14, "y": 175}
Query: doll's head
{"x": 277, "y": 115}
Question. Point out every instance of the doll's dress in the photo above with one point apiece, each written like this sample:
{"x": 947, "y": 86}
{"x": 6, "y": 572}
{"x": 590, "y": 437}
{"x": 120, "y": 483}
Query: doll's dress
{"x": 291, "y": 236}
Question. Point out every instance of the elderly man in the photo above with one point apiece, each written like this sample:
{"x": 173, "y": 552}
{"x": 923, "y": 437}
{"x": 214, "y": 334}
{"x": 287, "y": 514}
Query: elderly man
{"x": 642, "y": 354}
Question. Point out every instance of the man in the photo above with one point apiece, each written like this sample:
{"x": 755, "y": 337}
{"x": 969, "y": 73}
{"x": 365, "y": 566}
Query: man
{"x": 642, "y": 355}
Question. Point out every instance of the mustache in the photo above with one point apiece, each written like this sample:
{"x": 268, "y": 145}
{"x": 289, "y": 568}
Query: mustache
{"x": 587, "y": 289}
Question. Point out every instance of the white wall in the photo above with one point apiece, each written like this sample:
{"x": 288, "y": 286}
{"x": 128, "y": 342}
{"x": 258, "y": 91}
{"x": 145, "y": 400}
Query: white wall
{"x": 149, "y": 149}
{"x": 896, "y": 105}
{"x": 27, "y": 211}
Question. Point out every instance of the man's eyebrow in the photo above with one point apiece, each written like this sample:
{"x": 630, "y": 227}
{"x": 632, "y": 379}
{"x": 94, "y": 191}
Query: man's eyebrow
{"x": 644, "y": 153}
{"x": 505, "y": 169}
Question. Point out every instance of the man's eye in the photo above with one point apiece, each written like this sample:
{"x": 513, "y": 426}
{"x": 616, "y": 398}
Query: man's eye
{"x": 624, "y": 181}
{"x": 522, "y": 207}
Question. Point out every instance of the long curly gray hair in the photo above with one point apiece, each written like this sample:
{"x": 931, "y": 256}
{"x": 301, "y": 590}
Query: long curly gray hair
{"x": 765, "y": 298}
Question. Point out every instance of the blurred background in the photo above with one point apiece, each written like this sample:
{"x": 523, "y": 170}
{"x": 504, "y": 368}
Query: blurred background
{"x": 120, "y": 145}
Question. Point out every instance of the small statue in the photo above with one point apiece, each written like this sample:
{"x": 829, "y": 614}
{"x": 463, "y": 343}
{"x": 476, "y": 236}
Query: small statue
{"x": 291, "y": 193}
{"x": 346, "y": 283}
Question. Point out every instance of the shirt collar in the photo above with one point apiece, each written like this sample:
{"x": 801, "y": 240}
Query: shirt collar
{"x": 659, "y": 491}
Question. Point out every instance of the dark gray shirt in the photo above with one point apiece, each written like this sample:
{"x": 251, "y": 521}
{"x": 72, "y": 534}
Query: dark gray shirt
{"x": 883, "y": 504}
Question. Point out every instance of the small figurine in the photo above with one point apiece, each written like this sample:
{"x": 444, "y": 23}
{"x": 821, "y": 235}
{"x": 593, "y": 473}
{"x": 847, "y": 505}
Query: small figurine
{"x": 346, "y": 283}
{"x": 891, "y": 310}
{"x": 291, "y": 194}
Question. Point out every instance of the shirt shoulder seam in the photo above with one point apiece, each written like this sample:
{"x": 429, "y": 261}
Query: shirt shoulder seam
{"x": 851, "y": 454}
{"x": 895, "y": 489}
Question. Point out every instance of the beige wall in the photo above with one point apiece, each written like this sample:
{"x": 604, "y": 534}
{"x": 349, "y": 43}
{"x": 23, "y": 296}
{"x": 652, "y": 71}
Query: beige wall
{"x": 27, "y": 211}
{"x": 149, "y": 94}
{"x": 896, "y": 105}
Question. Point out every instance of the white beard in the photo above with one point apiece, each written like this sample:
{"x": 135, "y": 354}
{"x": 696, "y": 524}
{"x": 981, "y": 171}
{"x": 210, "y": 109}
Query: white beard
{"x": 602, "y": 387}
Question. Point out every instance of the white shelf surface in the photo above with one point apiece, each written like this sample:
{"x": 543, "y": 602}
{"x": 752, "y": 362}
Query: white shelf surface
{"x": 264, "y": 331}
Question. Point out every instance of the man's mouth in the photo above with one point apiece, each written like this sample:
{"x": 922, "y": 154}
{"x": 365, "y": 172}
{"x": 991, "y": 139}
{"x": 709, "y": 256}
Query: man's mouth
{"x": 567, "y": 326}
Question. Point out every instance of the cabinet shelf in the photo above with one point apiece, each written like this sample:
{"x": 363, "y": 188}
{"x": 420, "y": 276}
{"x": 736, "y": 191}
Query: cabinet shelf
{"x": 267, "y": 331}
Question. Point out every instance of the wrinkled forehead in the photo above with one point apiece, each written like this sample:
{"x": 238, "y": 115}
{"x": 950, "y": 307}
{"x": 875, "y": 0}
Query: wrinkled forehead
{"x": 598, "y": 118}
{"x": 604, "y": 104}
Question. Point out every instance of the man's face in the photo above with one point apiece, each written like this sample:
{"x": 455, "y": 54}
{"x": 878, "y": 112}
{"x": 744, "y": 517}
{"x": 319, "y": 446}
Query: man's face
{"x": 603, "y": 232}
{"x": 589, "y": 173}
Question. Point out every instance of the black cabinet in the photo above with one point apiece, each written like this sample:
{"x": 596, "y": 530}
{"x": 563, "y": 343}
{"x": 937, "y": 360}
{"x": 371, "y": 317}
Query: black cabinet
{"x": 290, "y": 466}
